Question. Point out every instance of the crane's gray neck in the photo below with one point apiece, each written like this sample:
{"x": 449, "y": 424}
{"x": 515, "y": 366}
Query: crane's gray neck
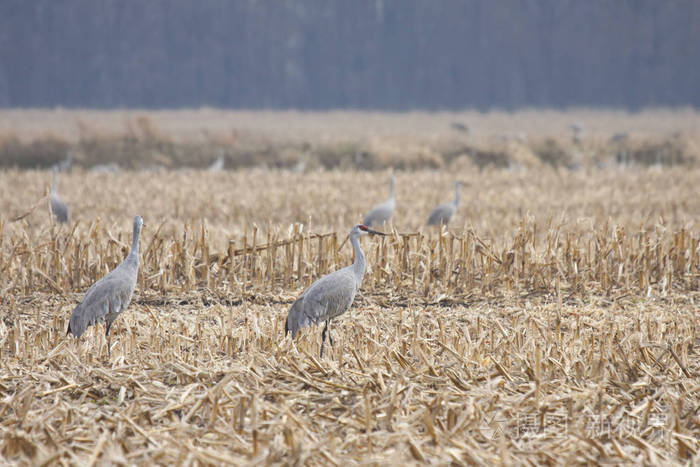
{"x": 358, "y": 267}
{"x": 134, "y": 253}
{"x": 53, "y": 185}
{"x": 456, "y": 201}
{"x": 391, "y": 189}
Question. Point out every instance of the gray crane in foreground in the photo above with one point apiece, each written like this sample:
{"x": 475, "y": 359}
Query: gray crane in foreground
{"x": 443, "y": 213}
{"x": 108, "y": 297}
{"x": 58, "y": 207}
{"x": 331, "y": 295}
{"x": 381, "y": 213}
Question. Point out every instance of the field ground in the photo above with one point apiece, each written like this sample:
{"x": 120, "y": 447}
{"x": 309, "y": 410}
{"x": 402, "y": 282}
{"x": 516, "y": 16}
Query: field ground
{"x": 555, "y": 322}
{"x": 346, "y": 140}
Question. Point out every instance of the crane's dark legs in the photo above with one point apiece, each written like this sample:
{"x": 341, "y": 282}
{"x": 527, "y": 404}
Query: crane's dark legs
{"x": 109, "y": 345}
{"x": 323, "y": 336}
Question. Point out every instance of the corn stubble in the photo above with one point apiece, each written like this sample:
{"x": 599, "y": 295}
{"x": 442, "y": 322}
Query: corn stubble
{"x": 561, "y": 338}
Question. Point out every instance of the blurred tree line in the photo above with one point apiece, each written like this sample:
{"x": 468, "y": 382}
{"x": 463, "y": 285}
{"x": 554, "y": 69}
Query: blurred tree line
{"x": 377, "y": 54}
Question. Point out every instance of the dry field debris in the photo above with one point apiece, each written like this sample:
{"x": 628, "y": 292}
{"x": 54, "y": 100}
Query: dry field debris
{"x": 555, "y": 322}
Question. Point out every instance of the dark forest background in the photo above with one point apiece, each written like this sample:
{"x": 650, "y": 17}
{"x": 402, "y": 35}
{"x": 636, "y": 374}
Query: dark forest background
{"x": 320, "y": 54}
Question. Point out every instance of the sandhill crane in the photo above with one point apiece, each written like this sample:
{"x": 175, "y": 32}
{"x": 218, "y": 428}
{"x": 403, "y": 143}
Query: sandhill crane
{"x": 619, "y": 137}
{"x": 299, "y": 167}
{"x": 332, "y": 294}
{"x": 65, "y": 165}
{"x": 217, "y": 165}
{"x": 577, "y": 132}
{"x": 109, "y": 168}
{"x": 108, "y": 297}
{"x": 459, "y": 126}
{"x": 381, "y": 213}
{"x": 443, "y": 213}
{"x": 58, "y": 207}
{"x": 619, "y": 140}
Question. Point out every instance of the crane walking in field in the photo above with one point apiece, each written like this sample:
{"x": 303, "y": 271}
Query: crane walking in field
{"x": 108, "y": 297}
{"x": 58, "y": 207}
{"x": 443, "y": 213}
{"x": 332, "y": 294}
{"x": 381, "y": 213}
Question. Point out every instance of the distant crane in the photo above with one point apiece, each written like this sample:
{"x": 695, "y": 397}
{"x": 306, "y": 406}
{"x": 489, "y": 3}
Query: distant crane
{"x": 381, "y": 213}
{"x": 108, "y": 297}
{"x": 217, "y": 165}
{"x": 619, "y": 137}
{"x": 58, "y": 207}
{"x": 459, "y": 126}
{"x": 443, "y": 213}
{"x": 577, "y": 132}
{"x": 619, "y": 140}
{"x": 109, "y": 168}
{"x": 331, "y": 295}
{"x": 65, "y": 165}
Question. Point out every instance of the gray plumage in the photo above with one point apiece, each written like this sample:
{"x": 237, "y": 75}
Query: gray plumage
{"x": 459, "y": 126}
{"x": 110, "y": 168}
{"x": 619, "y": 137}
{"x": 382, "y": 213}
{"x": 108, "y": 297}
{"x": 332, "y": 294}
{"x": 577, "y": 132}
{"x": 217, "y": 165}
{"x": 58, "y": 207}
{"x": 443, "y": 213}
{"x": 65, "y": 165}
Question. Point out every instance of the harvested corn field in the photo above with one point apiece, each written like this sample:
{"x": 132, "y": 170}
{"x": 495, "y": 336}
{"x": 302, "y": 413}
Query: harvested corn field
{"x": 555, "y": 321}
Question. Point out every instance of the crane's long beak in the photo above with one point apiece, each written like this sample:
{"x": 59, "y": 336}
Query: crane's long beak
{"x": 370, "y": 231}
